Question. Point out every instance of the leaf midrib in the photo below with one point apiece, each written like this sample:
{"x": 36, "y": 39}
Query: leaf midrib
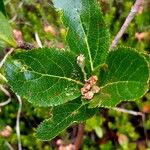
{"x": 59, "y": 77}
{"x": 71, "y": 114}
{"x": 86, "y": 42}
{"x": 108, "y": 84}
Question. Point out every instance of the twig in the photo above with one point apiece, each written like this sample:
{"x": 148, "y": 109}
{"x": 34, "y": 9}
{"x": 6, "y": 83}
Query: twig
{"x": 79, "y": 137}
{"x": 134, "y": 10}
{"x": 84, "y": 74}
{"x": 131, "y": 112}
{"x": 81, "y": 63}
{"x": 24, "y": 45}
{"x": 145, "y": 132}
{"x": 5, "y": 57}
{"x": 5, "y": 91}
{"x": 16, "y": 15}
{"x": 9, "y": 146}
{"x": 7, "y": 94}
{"x": 38, "y": 40}
{"x": 5, "y": 103}
{"x": 18, "y": 122}
{"x": 18, "y": 114}
{"x": 135, "y": 113}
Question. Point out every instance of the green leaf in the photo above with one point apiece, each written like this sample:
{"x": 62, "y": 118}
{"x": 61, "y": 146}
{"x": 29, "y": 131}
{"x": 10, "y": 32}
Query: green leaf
{"x": 2, "y": 79}
{"x": 87, "y": 32}
{"x": 98, "y": 131}
{"x": 46, "y": 77}
{"x": 62, "y": 117}
{"x": 6, "y": 32}
{"x": 147, "y": 57}
{"x": 126, "y": 78}
{"x": 2, "y": 45}
{"x": 2, "y": 7}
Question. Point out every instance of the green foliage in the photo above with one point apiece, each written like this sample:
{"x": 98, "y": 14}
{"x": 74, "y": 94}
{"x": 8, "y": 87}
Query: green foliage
{"x": 48, "y": 77}
{"x": 87, "y": 33}
{"x": 34, "y": 16}
{"x": 3, "y": 144}
{"x": 6, "y": 32}
{"x": 51, "y": 77}
{"x": 107, "y": 146}
{"x": 30, "y": 117}
{"x": 144, "y": 20}
{"x": 2, "y": 7}
{"x": 122, "y": 80}
{"x": 95, "y": 124}
{"x": 115, "y": 16}
{"x": 64, "y": 116}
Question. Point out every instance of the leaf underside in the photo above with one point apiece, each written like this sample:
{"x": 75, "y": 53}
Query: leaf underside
{"x": 62, "y": 117}
{"x": 45, "y": 77}
{"x": 87, "y": 33}
{"x": 126, "y": 78}
{"x": 6, "y": 35}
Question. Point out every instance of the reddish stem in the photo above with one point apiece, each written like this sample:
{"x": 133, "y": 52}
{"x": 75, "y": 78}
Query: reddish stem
{"x": 79, "y": 138}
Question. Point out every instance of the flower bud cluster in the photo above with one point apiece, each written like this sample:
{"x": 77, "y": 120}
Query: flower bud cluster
{"x": 90, "y": 88}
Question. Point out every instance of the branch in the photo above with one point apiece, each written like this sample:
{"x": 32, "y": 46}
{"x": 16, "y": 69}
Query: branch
{"x": 9, "y": 146}
{"x": 135, "y": 113}
{"x": 38, "y": 41}
{"x": 134, "y": 10}
{"x": 79, "y": 137}
{"x": 18, "y": 114}
{"x": 5, "y": 57}
{"x": 5, "y": 103}
{"x": 131, "y": 112}
{"x": 18, "y": 122}
{"x": 7, "y": 94}
{"x": 2, "y": 88}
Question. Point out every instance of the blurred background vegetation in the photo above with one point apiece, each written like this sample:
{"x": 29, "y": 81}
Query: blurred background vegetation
{"x": 108, "y": 130}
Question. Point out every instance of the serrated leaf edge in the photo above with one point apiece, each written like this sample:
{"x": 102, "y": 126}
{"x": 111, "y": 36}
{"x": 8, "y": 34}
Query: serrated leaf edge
{"x": 146, "y": 89}
{"x": 46, "y": 120}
